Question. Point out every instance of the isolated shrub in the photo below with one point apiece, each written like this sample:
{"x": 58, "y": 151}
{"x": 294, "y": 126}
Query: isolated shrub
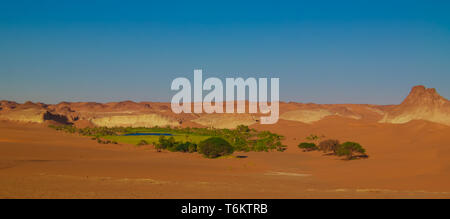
{"x": 158, "y": 146}
{"x": 243, "y": 129}
{"x": 142, "y": 143}
{"x": 314, "y": 138}
{"x": 349, "y": 149}
{"x": 215, "y": 147}
{"x": 308, "y": 146}
{"x": 329, "y": 145}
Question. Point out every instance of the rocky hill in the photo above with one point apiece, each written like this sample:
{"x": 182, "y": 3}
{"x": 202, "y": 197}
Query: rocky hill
{"x": 421, "y": 104}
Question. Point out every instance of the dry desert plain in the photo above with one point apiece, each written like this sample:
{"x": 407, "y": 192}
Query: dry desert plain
{"x": 408, "y": 146}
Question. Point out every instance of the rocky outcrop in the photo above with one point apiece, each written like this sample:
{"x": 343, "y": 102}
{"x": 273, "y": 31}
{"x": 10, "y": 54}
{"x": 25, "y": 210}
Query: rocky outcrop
{"x": 306, "y": 116}
{"x": 310, "y": 113}
{"x": 61, "y": 119}
{"x": 24, "y": 115}
{"x": 421, "y": 104}
{"x": 144, "y": 120}
{"x": 222, "y": 121}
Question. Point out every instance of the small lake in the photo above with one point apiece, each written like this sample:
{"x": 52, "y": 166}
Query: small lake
{"x": 148, "y": 134}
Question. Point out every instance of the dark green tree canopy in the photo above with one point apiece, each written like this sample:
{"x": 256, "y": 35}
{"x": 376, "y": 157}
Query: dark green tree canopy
{"x": 215, "y": 147}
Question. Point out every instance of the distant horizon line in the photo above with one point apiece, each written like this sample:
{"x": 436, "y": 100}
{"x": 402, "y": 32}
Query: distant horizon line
{"x": 168, "y": 102}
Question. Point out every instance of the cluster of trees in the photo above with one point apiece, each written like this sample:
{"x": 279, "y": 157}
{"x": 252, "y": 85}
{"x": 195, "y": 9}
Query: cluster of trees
{"x": 350, "y": 150}
{"x": 211, "y": 148}
{"x": 241, "y": 139}
{"x": 245, "y": 139}
{"x": 96, "y": 131}
{"x": 172, "y": 145}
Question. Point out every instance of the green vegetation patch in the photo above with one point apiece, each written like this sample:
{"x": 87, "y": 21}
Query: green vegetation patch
{"x": 153, "y": 138}
{"x": 183, "y": 139}
{"x": 308, "y": 146}
{"x": 349, "y": 150}
{"x": 215, "y": 147}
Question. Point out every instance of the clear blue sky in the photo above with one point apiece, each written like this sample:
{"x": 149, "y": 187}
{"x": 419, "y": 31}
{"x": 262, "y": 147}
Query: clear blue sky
{"x": 322, "y": 51}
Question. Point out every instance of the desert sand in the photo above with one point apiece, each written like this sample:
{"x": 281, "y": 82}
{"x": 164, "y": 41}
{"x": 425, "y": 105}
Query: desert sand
{"x": 408, "y": 159}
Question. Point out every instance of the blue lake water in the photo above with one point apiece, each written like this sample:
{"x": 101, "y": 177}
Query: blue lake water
{"x": 148, "y": 134}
